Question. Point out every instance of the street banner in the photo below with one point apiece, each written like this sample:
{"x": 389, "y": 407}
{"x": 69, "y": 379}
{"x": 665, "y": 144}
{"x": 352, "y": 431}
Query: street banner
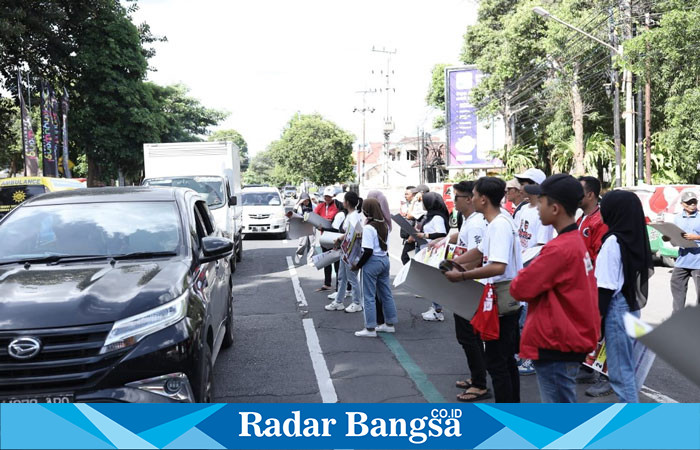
{"x": 673, "y": 233}
{"x": 408, "y": 228}
{"x": 643, "y": 360}
{"x": 298, "y": 227}
{"x": 351, "y": 247}
{"x": 29, "y": 147}
{"x": 64, "y": 134}
{"x": 350, "y": 425}
{"x": 677, "y": 340}
{"x": 469, "y": 140}
{"x": 328, "y": 238}
{"x": 326, "y": 258}
{"x": 430, "y": 283}
{"x": 49, "y": 131}
{"x": 317, "y": 221}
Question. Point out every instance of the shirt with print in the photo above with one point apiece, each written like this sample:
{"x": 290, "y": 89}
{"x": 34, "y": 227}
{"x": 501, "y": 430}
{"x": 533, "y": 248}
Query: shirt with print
{"x": 370, "y": 239}
{"x": 608, "y": 269}
{"x": 500, "y": 245}
{"x": 688, "y": 258}
{"x": 472, "y": 232}
{"x": 531, "y": 232}
{"x": 592, "y": 230}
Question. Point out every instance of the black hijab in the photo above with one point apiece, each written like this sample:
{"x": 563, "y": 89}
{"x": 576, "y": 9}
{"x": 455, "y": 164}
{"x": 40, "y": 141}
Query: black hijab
{"x": 622, "y": 212}
{"x": 435, "y": 206}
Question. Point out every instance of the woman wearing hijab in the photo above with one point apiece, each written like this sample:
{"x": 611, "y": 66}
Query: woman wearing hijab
{"x": 374, "y": 263}
{"x": 623, "y": 268}
{"x": 435, "y": 226}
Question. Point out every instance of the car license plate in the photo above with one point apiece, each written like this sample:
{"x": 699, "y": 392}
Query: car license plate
{"x": 41, "y": 398}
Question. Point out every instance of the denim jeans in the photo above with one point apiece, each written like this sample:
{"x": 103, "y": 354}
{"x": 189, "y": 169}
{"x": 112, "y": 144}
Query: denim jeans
{"x": 345, "y": 276}
{"x": 557, "y": 380}
{"x": 619, "y": 348}
{"x": 375, "y": 280}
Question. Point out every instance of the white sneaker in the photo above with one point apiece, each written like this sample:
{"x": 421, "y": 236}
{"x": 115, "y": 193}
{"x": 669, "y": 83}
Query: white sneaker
{"x": 384, "y": 328}
{"x": 333, "y": 296}
{"x": 334, "y": 306}
{"x": 365, "y": 333}
{"x": 433, "y": 316}
{"x": 353, "y": 307}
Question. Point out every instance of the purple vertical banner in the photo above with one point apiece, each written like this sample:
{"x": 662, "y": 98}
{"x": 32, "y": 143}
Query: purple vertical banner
{"x": 462, "y": 121}
{"x": 49, "y": 128}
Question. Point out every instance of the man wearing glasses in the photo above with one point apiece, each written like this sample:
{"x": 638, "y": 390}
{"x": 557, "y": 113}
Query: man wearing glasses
{"x": 688, "y": 262}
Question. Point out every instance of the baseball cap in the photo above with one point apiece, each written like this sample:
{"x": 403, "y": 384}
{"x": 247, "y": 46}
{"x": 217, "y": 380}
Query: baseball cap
{"x": 513, "y": 184}
{"x": 421, "y": 188}
{"x": 561, "y": 187}
{"x": 329, "y": 191}
{"x": 533, "y": 174}
{"x": 688, "y": 196}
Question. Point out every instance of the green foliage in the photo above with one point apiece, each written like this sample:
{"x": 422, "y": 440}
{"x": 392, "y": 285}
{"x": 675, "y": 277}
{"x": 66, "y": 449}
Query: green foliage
{"x": 235, "y": 137}
{"x": 10, "y": 137}
{"x": 312, "y": 148}
{"x": 436, "y": 92}
{"x": 517, "y": 159}
{"x": 264, "y": 170}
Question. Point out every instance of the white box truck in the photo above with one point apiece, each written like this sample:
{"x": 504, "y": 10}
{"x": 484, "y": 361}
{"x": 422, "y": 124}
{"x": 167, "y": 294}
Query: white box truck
{"x": 211, "y": 168}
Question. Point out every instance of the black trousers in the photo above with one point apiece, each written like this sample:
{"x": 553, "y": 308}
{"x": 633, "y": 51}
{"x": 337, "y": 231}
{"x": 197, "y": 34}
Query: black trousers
{"x": 473, "y": 349}
{"x": 500, "y": 361}
{"x": 407, "y": 248}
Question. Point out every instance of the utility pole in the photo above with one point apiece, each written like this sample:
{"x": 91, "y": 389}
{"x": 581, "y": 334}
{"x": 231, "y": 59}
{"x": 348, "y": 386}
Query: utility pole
{"x": 388, "y": 122}
{"x": 629, "y": 102}
{"x": 647, "y": 113}
{"x": 361, "y": 160}
{"x": 616, "y": 103}
{"x": 640, "y": 133}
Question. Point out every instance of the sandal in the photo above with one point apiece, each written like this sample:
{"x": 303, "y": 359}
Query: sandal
{"x": 464, "y": 384}
{"x": 467, "y": 396}
{"x": 324, "y": 288}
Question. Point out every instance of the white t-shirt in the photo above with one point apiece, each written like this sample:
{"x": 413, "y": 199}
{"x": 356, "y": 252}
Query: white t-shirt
{"x": 338, "y": 220}
{"x": 531, "y": 232}
{"x": 370, "y": 239}
{"x": 353, "y": 217}
{"x": 472, "y": 232}
{"x": 436, "y": 225}
{"x": 608, "y": 266}
{"x": 500, "y": 245}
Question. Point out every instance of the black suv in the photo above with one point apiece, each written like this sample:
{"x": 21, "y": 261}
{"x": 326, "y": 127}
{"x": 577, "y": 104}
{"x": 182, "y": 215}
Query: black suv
{"x": 112, "y": 294}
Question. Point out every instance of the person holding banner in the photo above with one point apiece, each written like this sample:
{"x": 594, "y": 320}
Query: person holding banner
{"x": 559, "y": 285}
{"x": 500, "y": 259}
{"x": 688, "y": 263}
{"x": 346, "y": 275}
{"x": 374, "y": 263}
{"x": 328, "y": 210}
{"x": 386, "y": 213}
{"x": 623, "y": 268}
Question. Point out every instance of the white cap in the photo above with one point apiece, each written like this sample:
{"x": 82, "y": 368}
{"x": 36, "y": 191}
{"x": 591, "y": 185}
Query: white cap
{"x": 329, "y": 191}
{"x": 340, "y": 197}
{"x": 533, "y": 174}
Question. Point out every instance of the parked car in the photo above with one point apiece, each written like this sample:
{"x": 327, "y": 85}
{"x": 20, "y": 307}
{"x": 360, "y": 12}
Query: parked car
{"x": 14, "y": 191}
{"x": 263, "y": 211}
{"x": 289, "y": 191}
{"x": 113, "y": 294}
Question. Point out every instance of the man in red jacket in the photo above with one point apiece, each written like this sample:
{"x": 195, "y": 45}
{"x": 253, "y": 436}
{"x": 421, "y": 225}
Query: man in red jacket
{"x": 590, "y": 224}
{"x": 328, "y": 210}
{"x": 563, "y": 323}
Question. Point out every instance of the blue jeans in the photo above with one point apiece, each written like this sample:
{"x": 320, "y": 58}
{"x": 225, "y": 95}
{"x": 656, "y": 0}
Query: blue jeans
{"x": 345, "y": 276}
{"x": 557, "y": 380}
{"x": 375, "y": 280}
{"x": 620, "y": 352}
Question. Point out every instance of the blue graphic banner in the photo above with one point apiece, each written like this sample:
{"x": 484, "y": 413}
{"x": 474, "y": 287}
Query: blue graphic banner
{"x": 357, "y": 426}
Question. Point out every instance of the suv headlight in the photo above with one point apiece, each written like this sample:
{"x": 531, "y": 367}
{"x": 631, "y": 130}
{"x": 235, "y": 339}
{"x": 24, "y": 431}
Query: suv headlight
{"x": 129, "y": 331}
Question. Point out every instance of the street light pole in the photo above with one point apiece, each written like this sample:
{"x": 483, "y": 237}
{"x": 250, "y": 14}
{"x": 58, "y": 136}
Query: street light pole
{"x": 629, "y": 105}
{"x": 360, "y": 160}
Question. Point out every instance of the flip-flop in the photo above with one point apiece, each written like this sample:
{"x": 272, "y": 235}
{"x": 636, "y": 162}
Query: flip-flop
{"x": 463, "y": 384}
{"x": 474, "y": 397}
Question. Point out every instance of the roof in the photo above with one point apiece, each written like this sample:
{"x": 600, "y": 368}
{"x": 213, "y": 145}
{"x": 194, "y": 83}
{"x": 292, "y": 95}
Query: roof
{"x": 107, "y": 195}
{"x": 260, "y": 189}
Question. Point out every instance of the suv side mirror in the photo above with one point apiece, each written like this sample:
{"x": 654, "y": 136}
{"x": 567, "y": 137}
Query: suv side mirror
{"x": 214, "y": 248}
{"x": 233, "y": 200}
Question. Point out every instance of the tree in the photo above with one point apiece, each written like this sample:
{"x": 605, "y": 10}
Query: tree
{"x": 264, "y": 170}
{"x": 235, "y": 137}
{"x": 436, "y": 94}
{"x": 10, "y": 138}
{"x": 315, "y": 149}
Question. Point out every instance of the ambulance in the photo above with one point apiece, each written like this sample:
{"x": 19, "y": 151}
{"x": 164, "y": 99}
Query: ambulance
{"x": 14, "y": 191}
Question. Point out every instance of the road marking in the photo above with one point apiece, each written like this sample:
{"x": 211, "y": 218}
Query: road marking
{"x": 657, "y": 396}
{"x": 298, "y": 291}
{"x": 323, "y": 377}
{"x": 428, "y": 389}
{"x": 284, "y": 241}
{"x": 398, "y": 258}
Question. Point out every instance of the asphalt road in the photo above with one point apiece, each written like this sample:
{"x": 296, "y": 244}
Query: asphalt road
{"x": 289, "y": 349}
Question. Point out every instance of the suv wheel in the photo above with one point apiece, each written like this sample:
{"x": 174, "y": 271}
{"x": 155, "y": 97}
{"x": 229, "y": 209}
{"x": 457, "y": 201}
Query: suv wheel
{"x": 203, "y": 387}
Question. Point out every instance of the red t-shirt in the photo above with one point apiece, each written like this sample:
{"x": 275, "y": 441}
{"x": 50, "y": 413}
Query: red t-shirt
{"x": 592, "y": 230}
{"x": 563, "y": 322}
{"x": 326, "y": 211}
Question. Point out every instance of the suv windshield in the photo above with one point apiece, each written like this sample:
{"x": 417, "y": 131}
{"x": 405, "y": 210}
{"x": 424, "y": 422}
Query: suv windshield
{"x": 108, "y": 229}
{"x": 212, "y": 188}
{"x": 12, "y": 196}
{"x": 261, "y": 199}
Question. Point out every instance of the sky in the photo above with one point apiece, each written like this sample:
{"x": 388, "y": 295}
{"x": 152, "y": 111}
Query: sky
{"x": 262, "y": 61}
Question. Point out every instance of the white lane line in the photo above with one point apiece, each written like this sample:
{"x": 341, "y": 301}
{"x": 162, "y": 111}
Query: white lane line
{"x": 657, "y": 396}
{"x": 398, "y": 258}
{"x": 323, "y": 376}
{"x": 298, "y": 291}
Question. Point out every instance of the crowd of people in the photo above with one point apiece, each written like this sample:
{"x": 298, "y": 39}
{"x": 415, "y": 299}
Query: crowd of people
{"x": 561, "y": 269}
